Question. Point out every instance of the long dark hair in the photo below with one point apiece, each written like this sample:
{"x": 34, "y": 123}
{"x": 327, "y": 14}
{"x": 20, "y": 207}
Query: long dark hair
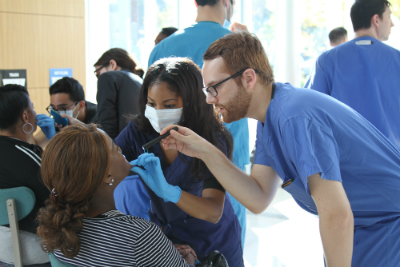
{"x": 73, "y": 182}
{"x": 183, "y": 76}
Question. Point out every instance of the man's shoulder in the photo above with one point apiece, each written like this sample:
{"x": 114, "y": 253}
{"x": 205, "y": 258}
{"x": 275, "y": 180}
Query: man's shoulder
{"x": 91, "y": 111}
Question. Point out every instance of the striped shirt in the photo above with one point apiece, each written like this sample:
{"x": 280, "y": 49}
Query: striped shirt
{"x": 115, "y": 239}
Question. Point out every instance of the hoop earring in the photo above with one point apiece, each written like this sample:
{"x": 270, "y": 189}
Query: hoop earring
{"x": 23, "y": 128}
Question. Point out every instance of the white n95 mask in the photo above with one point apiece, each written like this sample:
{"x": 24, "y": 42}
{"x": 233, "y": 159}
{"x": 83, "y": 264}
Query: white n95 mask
{"x": 161, "y": 118}
{"x": 70, "y": 112}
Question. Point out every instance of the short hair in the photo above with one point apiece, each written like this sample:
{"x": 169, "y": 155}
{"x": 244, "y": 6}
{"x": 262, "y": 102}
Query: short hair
{"x": 69, "y": 86}
{"x": 207, "y": 2}
{"x": 336, "y": 35}
{"x": 241, "y": 50}
{"x": 363, "y": 10}
{"x": 120, "y": 56}
{"x": 14, "y": 100}
{"x": 168, "y": 31}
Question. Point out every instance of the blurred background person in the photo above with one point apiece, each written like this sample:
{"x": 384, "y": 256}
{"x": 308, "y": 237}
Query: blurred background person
{"x": 164, "y": 33}
{"x": 337, "y": 36}
{"x": 364, "y": 72}
{"x": 118, "y": 89}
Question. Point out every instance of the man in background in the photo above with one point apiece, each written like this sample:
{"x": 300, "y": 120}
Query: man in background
{"x": 364, "y": 73}
{"x": 212, "y": 22}
{"x": 67, "y": 97}
{"x": 337, "y": 36}
{"x": 164, "y": 33}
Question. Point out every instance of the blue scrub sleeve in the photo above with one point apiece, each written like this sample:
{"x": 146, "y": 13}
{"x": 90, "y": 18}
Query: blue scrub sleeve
{"x": 123, "y": 140}
{"x": 312, "y": 149}
{"x": 318, "y": 79}
{"x": 260, "y": 156}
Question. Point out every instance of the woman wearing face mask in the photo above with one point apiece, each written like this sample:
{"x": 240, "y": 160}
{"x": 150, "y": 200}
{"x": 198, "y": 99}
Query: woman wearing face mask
{"x": 199, "y": 215}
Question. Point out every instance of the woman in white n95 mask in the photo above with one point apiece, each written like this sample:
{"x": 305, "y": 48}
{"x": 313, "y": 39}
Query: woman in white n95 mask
{"x": 190, "y": 205}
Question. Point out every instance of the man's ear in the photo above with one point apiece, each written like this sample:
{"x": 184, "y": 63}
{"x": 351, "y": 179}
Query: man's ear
{"x": 375, "y": 20}
{"x": 82, "y": 105}
{"x": 249, "y": 79}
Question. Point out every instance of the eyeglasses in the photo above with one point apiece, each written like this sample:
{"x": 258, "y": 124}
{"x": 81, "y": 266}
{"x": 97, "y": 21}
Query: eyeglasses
{"x": 212, "y": 89}
{"x": 96, "y": 71}
{"x": 49, "y": 108}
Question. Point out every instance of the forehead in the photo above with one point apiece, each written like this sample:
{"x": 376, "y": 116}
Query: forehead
{"x": 59, "y": 99}
{"x": 160, "y": 89}
{"x": 213, "y": 70}
{"x": 108, "y": 139}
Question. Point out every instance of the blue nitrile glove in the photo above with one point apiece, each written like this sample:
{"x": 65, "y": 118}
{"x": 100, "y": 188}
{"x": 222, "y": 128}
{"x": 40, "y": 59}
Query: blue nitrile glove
{"x": 154, "y": 177}
{"x": 47, "y": 125}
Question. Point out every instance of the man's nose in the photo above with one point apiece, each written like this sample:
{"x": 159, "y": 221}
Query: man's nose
{"x": 210, "y": 99}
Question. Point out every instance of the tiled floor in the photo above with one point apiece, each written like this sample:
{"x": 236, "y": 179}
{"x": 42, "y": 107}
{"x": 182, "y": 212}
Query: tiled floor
{"x": 283, "y": 236}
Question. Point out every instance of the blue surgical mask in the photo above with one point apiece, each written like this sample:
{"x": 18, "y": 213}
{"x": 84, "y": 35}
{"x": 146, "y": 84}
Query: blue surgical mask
{"x": 227, "y": 23}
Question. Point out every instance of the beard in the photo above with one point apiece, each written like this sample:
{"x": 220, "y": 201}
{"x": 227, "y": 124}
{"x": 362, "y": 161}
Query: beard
{"x": 237, "y": 106}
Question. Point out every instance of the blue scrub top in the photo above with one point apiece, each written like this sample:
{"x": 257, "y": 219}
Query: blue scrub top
{"x": 180, "y": 227}
{"x": 192, "y": 42}
{"x": 363, "y": 73}
{"x": 307, "y": 132}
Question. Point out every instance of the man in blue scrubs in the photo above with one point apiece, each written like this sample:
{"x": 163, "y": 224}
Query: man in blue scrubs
{"x": 365, "y": 73}
{"x": 212, "y": 22}
{"x": 333, "y": 162}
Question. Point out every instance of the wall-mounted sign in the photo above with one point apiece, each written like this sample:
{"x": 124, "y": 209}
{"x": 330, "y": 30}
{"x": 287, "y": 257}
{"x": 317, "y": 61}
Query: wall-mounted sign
{"x": 56, "y": 74}
{"x": 13, "y": 77}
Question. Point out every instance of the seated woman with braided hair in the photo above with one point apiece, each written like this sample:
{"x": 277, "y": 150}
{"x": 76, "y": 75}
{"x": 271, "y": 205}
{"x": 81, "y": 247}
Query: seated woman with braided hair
{"x": 20, "y": 156}
{"x": 82, "y": 166}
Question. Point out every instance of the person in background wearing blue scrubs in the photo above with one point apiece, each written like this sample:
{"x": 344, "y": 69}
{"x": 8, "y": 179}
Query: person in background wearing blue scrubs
{"x": 337, "y": 36}
{"x": 164, "y": 33}
{"x": 212, "y": 22}
{"x": 187, "y": 202}
{"x": 333, "y": 162}
{"x": 364, "y": 73}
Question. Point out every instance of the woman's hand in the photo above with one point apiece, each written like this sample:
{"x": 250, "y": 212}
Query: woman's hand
{"x": 153, "y": 176}
{"x": 187, "y": 252}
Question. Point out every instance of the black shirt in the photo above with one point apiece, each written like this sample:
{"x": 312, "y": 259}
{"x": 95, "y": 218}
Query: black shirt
{"x": 117, "y": 99}
{"x": 20, "y": 166}
{"x": 91, "y": 113}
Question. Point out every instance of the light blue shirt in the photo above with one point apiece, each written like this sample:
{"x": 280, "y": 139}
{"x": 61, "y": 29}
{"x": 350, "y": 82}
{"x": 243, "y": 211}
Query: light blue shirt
{"x": 191, "y": 42}
{"x": 365, "y": 74}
